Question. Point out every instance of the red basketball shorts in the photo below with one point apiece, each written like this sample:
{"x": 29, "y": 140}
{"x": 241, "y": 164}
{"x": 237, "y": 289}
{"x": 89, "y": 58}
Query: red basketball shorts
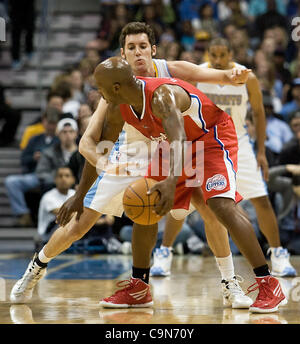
{"x": 216, "y": 174}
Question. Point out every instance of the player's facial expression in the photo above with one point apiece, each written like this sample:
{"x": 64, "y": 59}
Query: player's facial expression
{"x": 219, "y": 57}
{"x": 138, "y": 53}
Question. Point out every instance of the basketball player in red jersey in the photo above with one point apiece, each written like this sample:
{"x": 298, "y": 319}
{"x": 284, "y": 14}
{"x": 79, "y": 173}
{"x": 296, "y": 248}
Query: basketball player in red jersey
{"x": 181, "y": 112}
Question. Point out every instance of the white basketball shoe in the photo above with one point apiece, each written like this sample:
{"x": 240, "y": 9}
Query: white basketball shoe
{"x": 162, "y": 262}
{"x": 280, "y": 259}
{"x": 233, "y": 295}
{"x": 23, "y": 289}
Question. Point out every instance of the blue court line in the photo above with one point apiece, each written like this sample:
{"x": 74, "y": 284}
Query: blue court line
{"x": 87, "y": 268}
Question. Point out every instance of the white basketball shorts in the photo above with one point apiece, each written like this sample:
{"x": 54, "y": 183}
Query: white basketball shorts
{"x": 249, "y": 179}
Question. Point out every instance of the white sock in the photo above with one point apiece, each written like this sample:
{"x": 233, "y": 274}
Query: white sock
{"x": 226, "y": 267}
{"x": 42, "y": 257}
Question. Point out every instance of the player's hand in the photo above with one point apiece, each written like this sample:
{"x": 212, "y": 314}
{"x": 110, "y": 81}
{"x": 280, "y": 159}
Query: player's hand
{"x": 73, "y": 205}
{"x": 262, "y": 163}
{"x": 239, "y": 76}
{"x": 166, "y": 190}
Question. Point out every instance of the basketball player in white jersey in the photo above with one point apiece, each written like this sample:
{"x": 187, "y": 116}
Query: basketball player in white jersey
{"x": 104, "y": 197}
{"x": 251, "y": 176}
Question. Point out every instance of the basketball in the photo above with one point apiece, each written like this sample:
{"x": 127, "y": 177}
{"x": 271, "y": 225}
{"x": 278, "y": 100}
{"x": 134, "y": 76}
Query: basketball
{"x": 139, "y": 206}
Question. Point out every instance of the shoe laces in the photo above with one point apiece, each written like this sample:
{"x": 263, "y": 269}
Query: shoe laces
{"x": 162, "y": 252}
{"x": 233, "y": 286}
{"x": 32, "y": 275}
{"x": 124, "y": 285}
{"x": 263, "y": 290}
{"x": 279, "y": 253}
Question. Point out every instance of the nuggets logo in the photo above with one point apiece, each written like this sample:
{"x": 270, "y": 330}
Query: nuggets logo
{"x": 217, "y": 182}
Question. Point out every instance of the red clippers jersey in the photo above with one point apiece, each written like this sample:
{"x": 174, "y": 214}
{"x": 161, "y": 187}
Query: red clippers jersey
{"x": 201, "y": 116}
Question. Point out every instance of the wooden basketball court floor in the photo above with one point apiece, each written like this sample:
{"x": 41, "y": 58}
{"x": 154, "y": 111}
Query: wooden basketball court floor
{"x": 70, "y": 293}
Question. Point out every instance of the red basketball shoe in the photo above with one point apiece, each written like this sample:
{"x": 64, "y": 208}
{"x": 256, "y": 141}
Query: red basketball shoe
{"x": 270, "y": 295}
{"x": 135, "y": 293}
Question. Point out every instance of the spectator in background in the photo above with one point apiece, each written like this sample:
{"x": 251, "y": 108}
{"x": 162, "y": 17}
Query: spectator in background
{"x": 18, "y": 185}
{"x": 265, "y": 72}
{"x": 294, "y": 66}
{"x": 52, "y": 201}
{"x": 259, "y": 7}
{"x": 54, "y": 100}
{"x": 237, "y": 13}
{"x": 150, "y": 15}
{"x": 113, "y": 19}
{"x": 241, "y": 50}
{"x": 64, "y": 89}
{"x": 84, "y": 111}
{"x": 282, "y": 72}
{"x": 166, "y": 39}
{"x": 206, "y": 21}
{"x": 93, "y": 98}
{"x": 229, "y": 30}
{"x": 86, "y": 67}
{"x": 59, "y": 154}
{"x": 11, "y": 118}
{"x": 92, "y": 54}
{"x": 32, "y": 153}
{"x": 269, "y": 19}
{"x": 293, "y": 105}
{"x": 77, "y": 85}
{"x": 188, "y": 56}
{"x": 173, "y": 51}
{"x": 268, "y": 47}
{"x": 278, "y": 132}
{"x": 22, "y": 20}
{"x": 290, "y": 153}
{"x": 187, "y": 35}
{"x": 225, "y": 9}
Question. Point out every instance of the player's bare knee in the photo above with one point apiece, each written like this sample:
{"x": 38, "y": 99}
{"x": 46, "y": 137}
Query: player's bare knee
{"x": 222, "y": 207}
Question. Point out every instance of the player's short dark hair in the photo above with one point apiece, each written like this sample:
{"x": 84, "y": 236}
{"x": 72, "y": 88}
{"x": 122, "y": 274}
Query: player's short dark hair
{"x": 63, "y": 167}
{"x": 135, "y": 28}
{"x": 219, "y": 41}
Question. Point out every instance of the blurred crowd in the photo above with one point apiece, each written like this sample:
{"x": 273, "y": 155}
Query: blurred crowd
{"x": 260, "y": 33}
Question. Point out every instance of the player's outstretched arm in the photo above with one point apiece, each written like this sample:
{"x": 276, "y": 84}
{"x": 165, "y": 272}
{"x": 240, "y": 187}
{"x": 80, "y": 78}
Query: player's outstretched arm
{"x": 193, "y": 73}
{"x": 167, "y": 106}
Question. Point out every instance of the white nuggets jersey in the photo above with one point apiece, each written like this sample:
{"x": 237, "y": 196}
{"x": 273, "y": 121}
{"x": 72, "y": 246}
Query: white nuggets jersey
{"x": 231, "y": 99}
{"x": 234, "y": 101}
{"x": 105, "y": 196}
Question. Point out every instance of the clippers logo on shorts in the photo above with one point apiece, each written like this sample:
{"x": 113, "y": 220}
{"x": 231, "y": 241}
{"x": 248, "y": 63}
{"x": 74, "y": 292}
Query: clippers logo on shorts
{"x": 217, "y": 182}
